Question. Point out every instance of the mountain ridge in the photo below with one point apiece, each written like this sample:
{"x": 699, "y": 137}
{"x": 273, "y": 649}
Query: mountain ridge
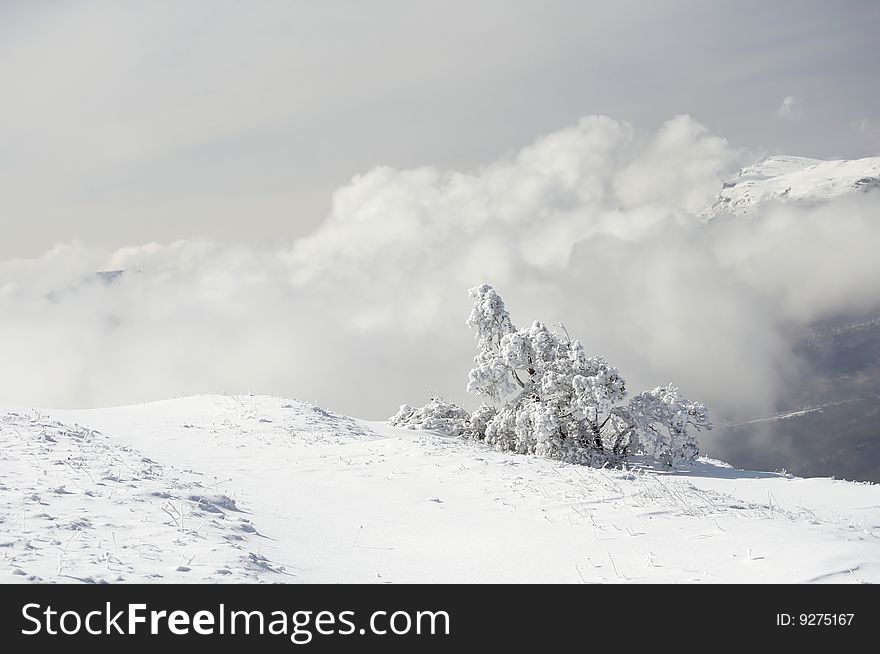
{"x": 784, "y": 178}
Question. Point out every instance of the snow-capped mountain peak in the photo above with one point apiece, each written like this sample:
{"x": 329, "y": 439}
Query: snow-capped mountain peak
{"x": 798, "y": 179}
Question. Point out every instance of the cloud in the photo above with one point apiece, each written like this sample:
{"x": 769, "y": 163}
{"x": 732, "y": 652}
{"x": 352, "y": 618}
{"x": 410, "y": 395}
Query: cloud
{"x": 593, "y": 225}
{"x": 866, "y": 127}
{"x": 790, "y": 107}
{"x": 126, "y": 122}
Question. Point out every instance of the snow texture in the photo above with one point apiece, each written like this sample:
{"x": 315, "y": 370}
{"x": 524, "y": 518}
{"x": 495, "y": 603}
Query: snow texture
{"x": 75, "y": 505}
{"x": 230, "y": 488}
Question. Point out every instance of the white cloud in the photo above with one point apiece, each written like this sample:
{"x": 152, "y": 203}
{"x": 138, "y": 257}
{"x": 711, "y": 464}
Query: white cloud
{"x": 790, "y": 107}
{"x": 592, "y": 225}
{"x": 134, "y": 121}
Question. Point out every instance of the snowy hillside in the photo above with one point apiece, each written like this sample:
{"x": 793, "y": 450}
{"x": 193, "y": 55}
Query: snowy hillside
{"x": 794, "y": 179}
{"x": 222, "y": 488}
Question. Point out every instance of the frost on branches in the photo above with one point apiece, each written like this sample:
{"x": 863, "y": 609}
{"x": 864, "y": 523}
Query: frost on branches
{"x": 543, "y": 395}
{"x": 437, "y": 415}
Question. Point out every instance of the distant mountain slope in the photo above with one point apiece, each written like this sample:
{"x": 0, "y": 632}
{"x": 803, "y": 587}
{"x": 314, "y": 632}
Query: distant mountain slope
{"x": 218, "y": 488}
{"x": 829, "y": 419}
{"x": 798, "y": 179}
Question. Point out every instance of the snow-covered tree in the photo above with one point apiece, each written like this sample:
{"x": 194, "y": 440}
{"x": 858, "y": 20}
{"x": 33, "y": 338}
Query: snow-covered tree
{"x": 661, "y": 419}
{"x": 547, "y": 397}
{"x": 489, "y": 317}
{"x": 436, "y": 415}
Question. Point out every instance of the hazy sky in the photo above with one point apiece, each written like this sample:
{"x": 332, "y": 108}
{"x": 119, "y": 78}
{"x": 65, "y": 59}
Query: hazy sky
{"x": 129, "y": 122}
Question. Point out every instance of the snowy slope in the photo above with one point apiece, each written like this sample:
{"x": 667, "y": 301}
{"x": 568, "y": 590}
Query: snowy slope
{"x": 76, "y": 505}
{"x": 217, "y": 488}
{"x": 799, "y": 179}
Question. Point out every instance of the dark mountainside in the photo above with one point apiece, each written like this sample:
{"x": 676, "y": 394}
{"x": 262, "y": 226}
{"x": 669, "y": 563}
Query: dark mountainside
{"x": 830, "y": 424}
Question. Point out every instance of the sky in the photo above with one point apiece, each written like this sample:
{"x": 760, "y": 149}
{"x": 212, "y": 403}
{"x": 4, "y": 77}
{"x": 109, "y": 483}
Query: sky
{"x": 124, "y": 123}
{"x": 300, "y": 194}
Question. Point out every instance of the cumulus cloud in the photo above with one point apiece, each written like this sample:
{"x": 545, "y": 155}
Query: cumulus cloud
{"x": 594, "y": 225}
{"x": 790, "y": 107}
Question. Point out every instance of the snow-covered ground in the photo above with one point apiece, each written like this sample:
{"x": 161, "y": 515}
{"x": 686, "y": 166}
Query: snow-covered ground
{"x": 799, "y": 179}
{"x": 245, "y": 488}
